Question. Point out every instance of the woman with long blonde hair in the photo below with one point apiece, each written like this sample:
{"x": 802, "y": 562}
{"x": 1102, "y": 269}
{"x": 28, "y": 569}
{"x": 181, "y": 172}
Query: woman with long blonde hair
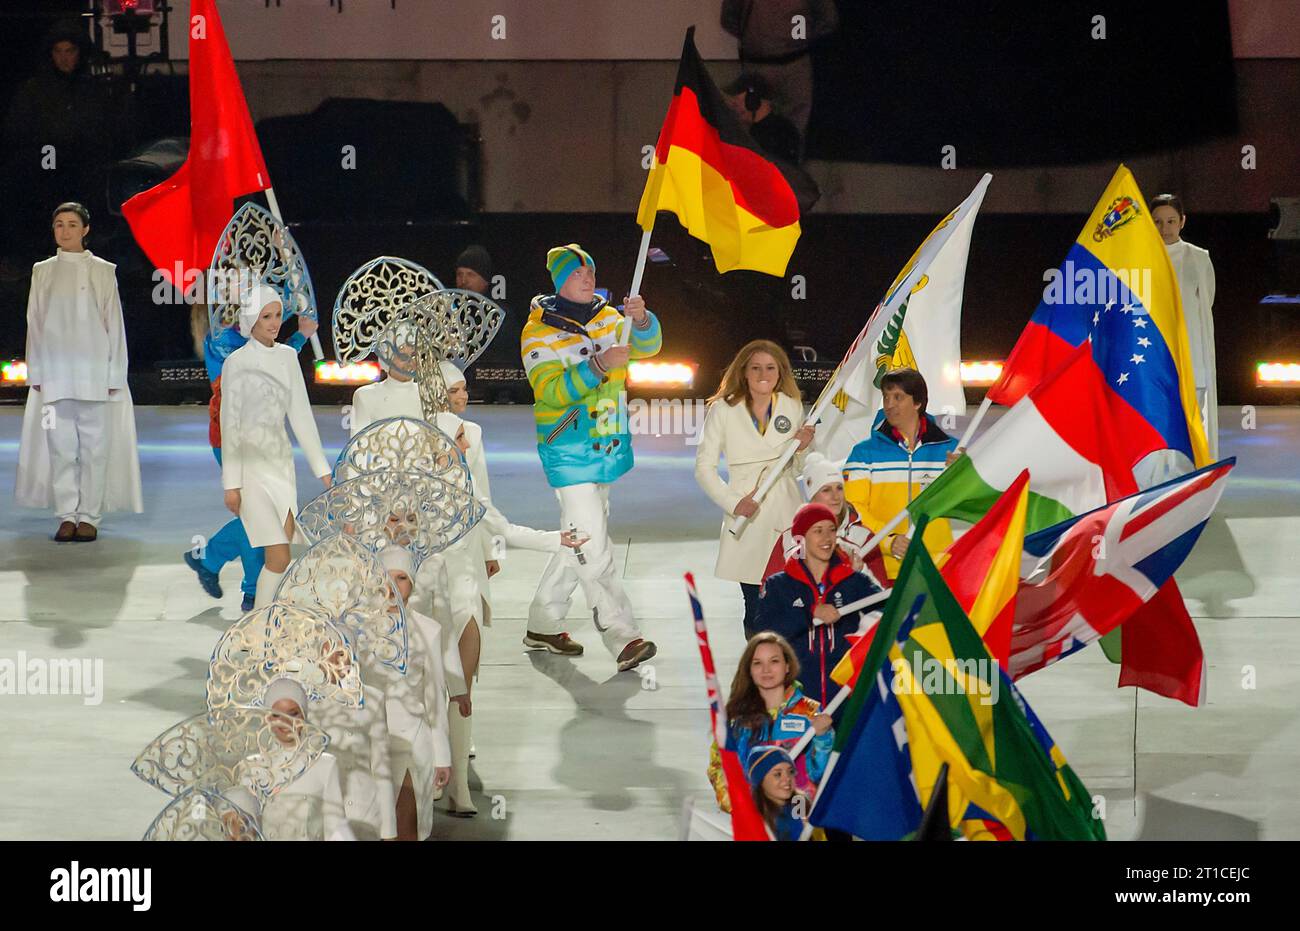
{"x": 755, "y": 413}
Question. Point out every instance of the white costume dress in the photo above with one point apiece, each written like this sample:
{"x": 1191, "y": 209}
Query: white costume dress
{"x": 309, "y": 808}
{"x": 1195, "y": 274}
{"x": 417, "y": 715}
{"x": 729, "y": 432}
{"x": 384, "y": 399}
{"x": 359, "y": 742}
{"x": 78, "y": 450}
{"x": 260, "y": 386}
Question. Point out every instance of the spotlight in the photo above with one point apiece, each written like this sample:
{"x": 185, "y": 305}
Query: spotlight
{"x": 1277, "y": 375}
{"x": 661, "y": 374}
{"x": 13, "y": 373}
{"x": 329, "y": 372}
{"x": 980, "y": 374}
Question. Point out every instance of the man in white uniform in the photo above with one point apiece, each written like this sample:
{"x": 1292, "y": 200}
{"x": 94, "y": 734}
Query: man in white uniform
{"x": 76, "y": 362}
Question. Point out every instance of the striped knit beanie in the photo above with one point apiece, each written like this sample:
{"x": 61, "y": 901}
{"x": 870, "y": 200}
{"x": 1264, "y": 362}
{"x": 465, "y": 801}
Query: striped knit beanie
{"x": 562, "y": 261}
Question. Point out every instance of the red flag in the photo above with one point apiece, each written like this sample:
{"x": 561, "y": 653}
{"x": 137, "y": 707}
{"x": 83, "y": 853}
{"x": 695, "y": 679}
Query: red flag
{"x": 180, "y": 220}
{"x": 1161, "y": 651}
{"x": 746, "y": 822}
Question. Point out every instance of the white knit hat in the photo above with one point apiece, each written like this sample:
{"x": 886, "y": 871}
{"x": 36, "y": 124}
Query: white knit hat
{"x": 448, "y": 423}
{"x": 398, "y": 558}
{"x": 285, "y": 687}
{"x": 252, "y": 305}
{"x": 817, "y": 472}
{"x": 451, "y": 373}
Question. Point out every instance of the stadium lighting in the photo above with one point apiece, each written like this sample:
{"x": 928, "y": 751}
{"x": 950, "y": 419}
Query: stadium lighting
{"x": 329, "y": 372}
{"x": 980, "y": 374}
{"x": 13, "y": 372}
{"x": 1277, "y": 375}
{"x": 661, "y": 374}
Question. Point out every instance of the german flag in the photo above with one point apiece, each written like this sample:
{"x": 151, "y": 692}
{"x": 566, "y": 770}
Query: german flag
{"x": 709, "y": 172}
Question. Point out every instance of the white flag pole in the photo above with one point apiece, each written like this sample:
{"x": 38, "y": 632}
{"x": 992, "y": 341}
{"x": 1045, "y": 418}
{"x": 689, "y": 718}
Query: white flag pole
{"x": 636, "y": 284}
{"x": 830, "y": 708}
{"x": 275, "y": 212}
{"x": 975, "y": 422}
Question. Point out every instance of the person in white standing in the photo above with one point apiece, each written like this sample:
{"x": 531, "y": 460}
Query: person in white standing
{"x": 261, "y": 386}
{"x": 755, "y": 414}
{"x": 1195, "y": 274}
{"x": 86, "y": 462}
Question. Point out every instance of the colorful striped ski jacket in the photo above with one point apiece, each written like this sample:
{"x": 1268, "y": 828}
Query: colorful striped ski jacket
{"x": 581, "y": 414}
{"x": 882, "y": 476}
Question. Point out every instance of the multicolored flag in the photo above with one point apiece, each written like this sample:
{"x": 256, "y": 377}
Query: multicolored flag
{"x": 1117, "y": 292}
{"x": 708, "y": 170}
{"x": 746, "y": 822}
{"x": 1006, "y": 776}
{"x": 1088, "y": 575}
{"x": 177, "y": 223}
{"x": 917, "y": 324}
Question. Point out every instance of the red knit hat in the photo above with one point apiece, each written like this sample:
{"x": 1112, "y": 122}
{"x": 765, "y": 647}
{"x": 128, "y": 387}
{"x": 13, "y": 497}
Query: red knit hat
{"x": 808, "y": 515}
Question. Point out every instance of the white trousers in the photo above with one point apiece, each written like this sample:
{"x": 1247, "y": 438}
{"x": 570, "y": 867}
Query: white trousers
{"x": 585, "y": 508}
{"x": 78, "y": 444}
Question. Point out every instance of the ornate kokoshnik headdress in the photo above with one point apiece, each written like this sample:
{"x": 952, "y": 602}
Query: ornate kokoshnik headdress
{"x": 401, "y": 312}
{"x": 203, "y": 815}
{"x": 254, "y": 748}
{"x": 281, "y": 641}
{"x": 256, "y": 247}
{"x": 341, "y": 578}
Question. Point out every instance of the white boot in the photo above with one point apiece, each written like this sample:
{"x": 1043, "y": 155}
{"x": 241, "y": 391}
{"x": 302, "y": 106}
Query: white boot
{"x": 460, "y": 729}
{"x": 267, "y": 583}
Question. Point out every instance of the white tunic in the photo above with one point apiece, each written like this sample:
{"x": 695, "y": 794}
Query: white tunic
{"x": 384, "y": 399}
{"x": 310, "y": 807}
{"x": 417, "y": 713}
{"x": 260, "y": 387}
{"x": 1195, "y": 274}
{"x": 359, "y": 742}
{"x": 76, "y": 350}
{"x": 729, "y": 432}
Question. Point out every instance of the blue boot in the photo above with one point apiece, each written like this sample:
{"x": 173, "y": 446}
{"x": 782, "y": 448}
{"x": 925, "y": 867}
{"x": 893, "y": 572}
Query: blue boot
{"x": 207, "y": 578}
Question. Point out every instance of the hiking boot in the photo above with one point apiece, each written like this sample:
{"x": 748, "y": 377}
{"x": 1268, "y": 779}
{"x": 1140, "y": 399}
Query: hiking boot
{"x": 635, "y": 653}
{"x": 562, "y": 643}
{"x": 207, "y": 578}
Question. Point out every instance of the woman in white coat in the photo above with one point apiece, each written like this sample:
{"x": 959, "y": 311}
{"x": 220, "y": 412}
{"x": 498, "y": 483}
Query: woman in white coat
{"x": 78, "y": 449}
{"x": 261, "y": 385}
{"x": 1195, "y": 274}
{"x": 756, "y": 412}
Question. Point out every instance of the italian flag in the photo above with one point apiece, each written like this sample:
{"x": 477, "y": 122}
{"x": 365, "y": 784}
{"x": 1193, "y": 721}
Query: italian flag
{"x": 1077, "y": 440}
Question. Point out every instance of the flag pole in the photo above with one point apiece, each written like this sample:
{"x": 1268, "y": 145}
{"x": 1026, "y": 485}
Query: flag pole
{"x": 636, "y": 282}
{"x": 275, "y": 212}
{"x": 975, "y": 422}
{"x": 792, "y": 447}
{"x": 830, "y": 708}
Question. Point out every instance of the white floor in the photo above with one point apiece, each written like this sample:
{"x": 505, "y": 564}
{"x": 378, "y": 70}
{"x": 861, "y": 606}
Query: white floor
{"x": 570, "y": 749}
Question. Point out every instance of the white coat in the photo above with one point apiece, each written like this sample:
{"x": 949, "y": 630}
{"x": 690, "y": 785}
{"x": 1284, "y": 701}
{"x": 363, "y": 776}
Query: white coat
{"x": 729, "y": 432}
{"x": 76, "y": 349}
{"x": 1195, "y": 274}
{"x": 310, "y": 807}
{"x": 359, "y": 742}
{"x": 260, "y": 387}
{"x": 384, "y": 399}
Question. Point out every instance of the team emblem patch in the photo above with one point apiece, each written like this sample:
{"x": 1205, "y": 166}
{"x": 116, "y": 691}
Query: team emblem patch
{"x": 782, "y": 424}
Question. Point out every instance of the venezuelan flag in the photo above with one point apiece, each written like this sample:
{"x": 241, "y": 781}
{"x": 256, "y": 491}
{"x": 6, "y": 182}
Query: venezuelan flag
{"x": 1117, "y": 289}
{"x": 709, "y": 172}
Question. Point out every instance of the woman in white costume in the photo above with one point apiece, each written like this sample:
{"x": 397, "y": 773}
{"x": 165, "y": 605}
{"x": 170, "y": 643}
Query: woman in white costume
{"x": 78, "y": 449}
{"x": 754, "y": 415}
{"x": 398, "y": 395}
{"x": 359, "y": 742}
{"x": 1195, "y": 274}
{"x": 420, "y": 748}
{"x": 311, "y": 807}
{"x": 261, "y": 386}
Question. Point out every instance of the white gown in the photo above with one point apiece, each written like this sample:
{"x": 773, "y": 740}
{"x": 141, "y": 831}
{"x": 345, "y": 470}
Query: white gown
{"x": 310, "y": 807}
{"x": 417, "y": 714}
{"x": 76, "y": 350}
{"x": 384, "y": 399}
{"x": 359, "y": 741}
{"x": 260, "y": 387}
{"x": 1195, "y": 274}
